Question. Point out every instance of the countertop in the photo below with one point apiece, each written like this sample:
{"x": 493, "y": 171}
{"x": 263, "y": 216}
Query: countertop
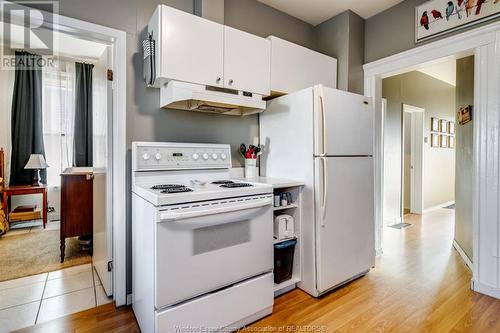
{"x": 278, "y": 182}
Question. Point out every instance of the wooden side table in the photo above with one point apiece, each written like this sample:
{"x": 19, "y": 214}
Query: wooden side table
{"x": 23, "y": 190}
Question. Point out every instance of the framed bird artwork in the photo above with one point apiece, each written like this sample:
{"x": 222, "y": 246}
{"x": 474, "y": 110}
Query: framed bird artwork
{"x": 437, "y": 17}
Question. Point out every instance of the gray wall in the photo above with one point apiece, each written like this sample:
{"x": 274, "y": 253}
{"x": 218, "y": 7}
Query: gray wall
{"x": 438, "y": 100}
{"x": 262, "y": 20}
{"x": 464, "y": 162}
{"x": 342, "y": 37}
{"x": 393, "y": 31}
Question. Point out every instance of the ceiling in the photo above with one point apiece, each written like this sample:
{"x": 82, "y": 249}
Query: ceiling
{"x": 445, "y": 71}
{"x": 318, "y": 11}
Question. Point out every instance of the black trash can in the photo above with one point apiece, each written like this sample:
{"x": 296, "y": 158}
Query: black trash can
{"x": 283, "y": 260}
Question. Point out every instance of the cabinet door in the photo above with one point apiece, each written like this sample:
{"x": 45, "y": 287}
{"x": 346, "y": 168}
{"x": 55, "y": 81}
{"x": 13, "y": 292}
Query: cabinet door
{"x": 294, "y": 67}
{"x": 191, "y": 48}
{"x": 247, "y": 62}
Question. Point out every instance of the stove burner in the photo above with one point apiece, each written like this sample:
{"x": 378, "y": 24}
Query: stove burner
{"x": 222, "y": 182}
{"x": 165, "y": 186}
{"x": 235, "y": 185}
{"x": 176, "y": 190}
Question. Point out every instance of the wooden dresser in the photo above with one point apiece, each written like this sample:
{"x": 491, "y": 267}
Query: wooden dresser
{"x": 76, "y": 205}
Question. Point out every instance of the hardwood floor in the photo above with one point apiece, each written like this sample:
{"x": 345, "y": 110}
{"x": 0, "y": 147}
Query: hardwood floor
{"x": 105, "y": 318}
{"x": 420, "y": 284}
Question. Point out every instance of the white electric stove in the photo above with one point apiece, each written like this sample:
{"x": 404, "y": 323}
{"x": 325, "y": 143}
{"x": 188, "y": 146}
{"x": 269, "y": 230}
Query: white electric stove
{"x": 202, "y": 242}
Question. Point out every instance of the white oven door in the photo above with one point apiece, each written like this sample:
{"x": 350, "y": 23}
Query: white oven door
{"x": 201, "y": 247}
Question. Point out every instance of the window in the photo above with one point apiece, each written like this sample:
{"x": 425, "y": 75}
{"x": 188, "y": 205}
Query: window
{"x": 58, "y": 116}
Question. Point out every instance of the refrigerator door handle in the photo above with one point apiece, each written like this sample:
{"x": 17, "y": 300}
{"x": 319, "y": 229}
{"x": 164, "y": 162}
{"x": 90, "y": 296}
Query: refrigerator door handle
{"x": 323, "y": 121}
{"x": 324, "y": 162}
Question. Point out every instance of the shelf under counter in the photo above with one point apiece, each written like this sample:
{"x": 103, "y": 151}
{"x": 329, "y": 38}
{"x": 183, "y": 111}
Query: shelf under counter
{"x": 278, "y": 208}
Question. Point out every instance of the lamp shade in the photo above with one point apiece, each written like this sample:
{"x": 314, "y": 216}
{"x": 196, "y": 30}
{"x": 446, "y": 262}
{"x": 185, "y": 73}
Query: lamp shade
{"x": 36, "y": 161}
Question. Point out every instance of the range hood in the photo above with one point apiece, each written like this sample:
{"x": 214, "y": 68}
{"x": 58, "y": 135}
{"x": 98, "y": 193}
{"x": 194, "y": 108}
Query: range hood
{"x": 201, "y": 98}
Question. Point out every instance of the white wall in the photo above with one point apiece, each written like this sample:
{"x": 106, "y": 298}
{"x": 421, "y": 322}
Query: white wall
{"x": 438, "y": 100}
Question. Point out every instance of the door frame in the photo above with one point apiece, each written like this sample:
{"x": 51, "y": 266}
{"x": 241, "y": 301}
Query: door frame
{"x": 484, "y": 44}
{"x": 417, "y": 159}
{"x": 118, "y": 40}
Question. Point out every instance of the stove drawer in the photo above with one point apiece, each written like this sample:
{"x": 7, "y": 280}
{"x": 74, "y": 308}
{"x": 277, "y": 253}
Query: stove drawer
{"x": 232, "y": 307}
{"x": 199, "y": 252}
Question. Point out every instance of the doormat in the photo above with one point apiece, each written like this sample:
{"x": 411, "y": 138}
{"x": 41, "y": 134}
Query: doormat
{"x": 400, "y": 225}
{"x": 452, "y": 206}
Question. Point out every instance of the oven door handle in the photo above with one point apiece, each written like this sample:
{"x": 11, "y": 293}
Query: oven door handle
{"x": 174, "y": 216}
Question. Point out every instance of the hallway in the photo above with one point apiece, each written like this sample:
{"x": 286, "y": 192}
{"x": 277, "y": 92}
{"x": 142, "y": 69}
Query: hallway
{"x": 420, "y": 284}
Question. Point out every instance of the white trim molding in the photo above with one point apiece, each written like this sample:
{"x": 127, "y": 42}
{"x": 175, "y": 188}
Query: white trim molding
{"x": 462, "y": 254}
{"x": 484, "y": 44}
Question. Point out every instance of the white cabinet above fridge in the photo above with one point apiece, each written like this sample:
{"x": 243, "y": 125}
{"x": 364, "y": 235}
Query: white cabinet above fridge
{"x": 294, "y": 67}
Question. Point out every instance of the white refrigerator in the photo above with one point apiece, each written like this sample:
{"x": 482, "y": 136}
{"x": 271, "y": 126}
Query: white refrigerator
{"x": 324, "y": 137}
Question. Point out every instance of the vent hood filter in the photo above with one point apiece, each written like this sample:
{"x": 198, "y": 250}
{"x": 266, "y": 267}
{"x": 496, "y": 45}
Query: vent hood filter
{"x": 196, "y": 97}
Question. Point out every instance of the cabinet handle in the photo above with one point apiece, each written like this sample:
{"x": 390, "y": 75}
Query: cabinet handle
{"x": 231, "y": 82}
{"x": 218, "y": 80}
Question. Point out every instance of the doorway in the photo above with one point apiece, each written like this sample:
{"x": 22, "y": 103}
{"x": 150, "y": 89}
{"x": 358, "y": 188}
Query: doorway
{"x": 482, "y": 42}
{"x": 108, "y": 136}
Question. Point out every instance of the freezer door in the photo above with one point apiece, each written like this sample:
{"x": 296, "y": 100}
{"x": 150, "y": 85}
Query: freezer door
{"x": 345, "y": 219}
{"x": 343, "y": 123}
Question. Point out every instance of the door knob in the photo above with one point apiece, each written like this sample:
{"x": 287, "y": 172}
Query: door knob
{"x": 231, "y": 82}
{"x": 218, "y": 80}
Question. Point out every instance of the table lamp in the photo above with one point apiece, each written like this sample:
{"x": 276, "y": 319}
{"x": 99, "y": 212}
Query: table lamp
{"x": 36, "y": 162}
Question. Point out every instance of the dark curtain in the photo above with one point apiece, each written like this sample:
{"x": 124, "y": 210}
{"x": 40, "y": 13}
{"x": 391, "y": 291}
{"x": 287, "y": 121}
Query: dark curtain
{"x": 83, "y": 115}
{"x": 27, "y": 119}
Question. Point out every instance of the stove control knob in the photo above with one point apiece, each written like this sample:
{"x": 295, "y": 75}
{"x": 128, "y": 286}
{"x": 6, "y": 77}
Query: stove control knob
{"x": 223, "y": 156}
{"x": 214, "y": 156}
{"x": 205, "y": 156}
{"x": 145, "y": 156}
{"x": 195, "y": 156}
{"x": 158, "y": 156}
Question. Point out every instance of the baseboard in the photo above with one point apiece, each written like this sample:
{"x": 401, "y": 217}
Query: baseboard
{"x": 462, "y": 254}
{"x": 444, "y": 204}
{"x": 485, "y": 289}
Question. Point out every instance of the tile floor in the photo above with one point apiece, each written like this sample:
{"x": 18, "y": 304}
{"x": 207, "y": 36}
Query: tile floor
{"x": 35, "y": 299}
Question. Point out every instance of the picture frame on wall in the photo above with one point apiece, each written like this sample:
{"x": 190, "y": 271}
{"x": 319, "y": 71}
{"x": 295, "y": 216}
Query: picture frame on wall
{"x": 451, "y": 127}
{"x": 434, "y": 124}
{"x": 444, "y": 141}
{"x": 435, "y": 140}
{"x": 443, "y": 126}
{"x": 437, "y": 17}
{"x": 464, "y": 115}
{"x": 451, "y": 141}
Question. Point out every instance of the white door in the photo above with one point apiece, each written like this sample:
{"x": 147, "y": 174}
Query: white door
{"x": 345, "y": 219}
{"x": 102, "y": 92}
{"x": 344, "y": 123}
{"x": 416, "y": 165}
{"x": 247, "y": 62}
{"x": 191, "y": 48}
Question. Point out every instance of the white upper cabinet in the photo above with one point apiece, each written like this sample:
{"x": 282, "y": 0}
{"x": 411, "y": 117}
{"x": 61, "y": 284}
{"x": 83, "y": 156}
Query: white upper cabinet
{"x": 247, "y": 61}
{"x": 191, "y": 49}
{"x": 294, "y": 67}
{"x": 187, "y": 47}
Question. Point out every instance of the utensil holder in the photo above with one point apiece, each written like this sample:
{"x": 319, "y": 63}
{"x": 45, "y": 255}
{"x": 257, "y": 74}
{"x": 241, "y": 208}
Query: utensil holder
{"x": 251, "y": 168}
